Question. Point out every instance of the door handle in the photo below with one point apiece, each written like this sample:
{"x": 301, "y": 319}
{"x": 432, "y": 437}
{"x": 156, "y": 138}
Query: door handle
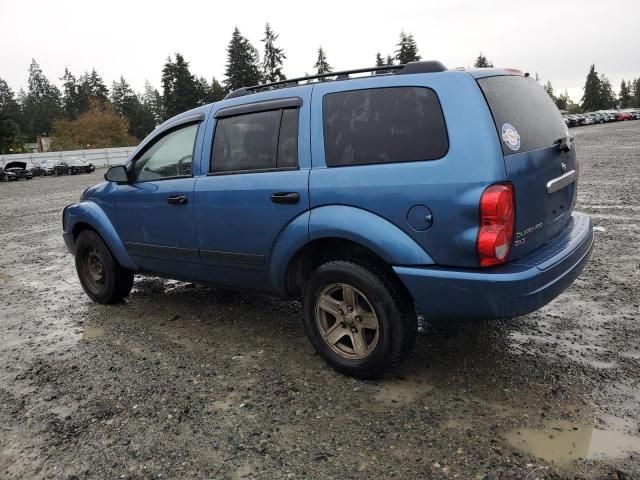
{"x": 285, "y": 197}
{"x": 177, "y": 199}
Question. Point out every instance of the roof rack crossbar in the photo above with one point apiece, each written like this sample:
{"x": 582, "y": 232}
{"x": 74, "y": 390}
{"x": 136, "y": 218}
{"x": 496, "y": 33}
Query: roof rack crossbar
{"x": 412, "y": 67}
{"x": 341, "y": 73}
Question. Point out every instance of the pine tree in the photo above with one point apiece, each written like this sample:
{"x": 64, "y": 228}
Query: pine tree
{"x": 42, "y": 104}
{"x": 549, "y": 89}
{"x": 607, "y": 97}
{"x": 273, "y": 57}
{"x": 563, "y": 101}
{"x": 407, "y": 49}
{"x": 10, "y": 118}
{"x": 592, "y": 89}
{"x": 482, "y": 62}
{"x": 90, "y": 91}
{"x": 242, "y": 63}
{"x": 626, "y": 97}
{"x": 152, "y": 101}
{"x": 322, "y": 65}
{"x": 217, "y": 91}
{"x": 389, "y": 60}
{"x": 128, "y": 104}
{"x": 180, "y": 90}
{"x": 70, "y": 94}
{"x": 636, "y": 92}
{"x": 379, "y": 60}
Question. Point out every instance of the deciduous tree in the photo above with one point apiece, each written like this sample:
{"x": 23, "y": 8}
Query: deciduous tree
{"x": 100, "y": 127}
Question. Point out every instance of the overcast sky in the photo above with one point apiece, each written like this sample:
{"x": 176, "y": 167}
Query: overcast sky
{"x": 558, "y": 39}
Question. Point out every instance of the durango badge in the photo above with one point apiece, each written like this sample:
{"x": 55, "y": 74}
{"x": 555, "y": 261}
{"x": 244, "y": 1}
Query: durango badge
{"x": 511, "y": 137}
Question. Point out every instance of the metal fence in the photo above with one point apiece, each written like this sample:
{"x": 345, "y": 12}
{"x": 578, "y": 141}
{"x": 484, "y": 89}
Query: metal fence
{"x": 99, "y": 156}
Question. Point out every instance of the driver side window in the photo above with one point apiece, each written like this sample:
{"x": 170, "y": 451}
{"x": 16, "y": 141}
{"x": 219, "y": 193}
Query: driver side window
{"x": 169, "y": 157}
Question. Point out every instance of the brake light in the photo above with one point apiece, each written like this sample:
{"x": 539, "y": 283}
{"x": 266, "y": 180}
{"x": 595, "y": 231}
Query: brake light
{"x": 497, "y": 221}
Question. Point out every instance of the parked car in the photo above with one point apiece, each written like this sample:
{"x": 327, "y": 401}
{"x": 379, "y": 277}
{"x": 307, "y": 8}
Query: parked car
{"x": 355, "y": 197}
{"x": 47, "y": 167}
{"x": 622, "y": 116}
{"x": 17, "y": 170}
{"x": 572, "y": 121}
{"x": 597, "y": 117}
{"x": 72, "y": 166}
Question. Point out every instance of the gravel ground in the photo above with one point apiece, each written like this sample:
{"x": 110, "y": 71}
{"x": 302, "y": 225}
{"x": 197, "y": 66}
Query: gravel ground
{"x": 183, "y": 381}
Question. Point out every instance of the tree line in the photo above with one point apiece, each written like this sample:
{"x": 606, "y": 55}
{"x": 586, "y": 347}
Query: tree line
{"x": 85, "y": 113}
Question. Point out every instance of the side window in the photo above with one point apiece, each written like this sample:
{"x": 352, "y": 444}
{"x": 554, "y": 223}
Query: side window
{"x": 256, "y": 141}
{"x": 171, "y": 156}
{"x": 383, "y": 125}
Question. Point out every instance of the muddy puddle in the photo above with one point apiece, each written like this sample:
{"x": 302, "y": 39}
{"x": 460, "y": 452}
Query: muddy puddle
{"x": 402, "y": 390}
{"x": 563, "y": 442}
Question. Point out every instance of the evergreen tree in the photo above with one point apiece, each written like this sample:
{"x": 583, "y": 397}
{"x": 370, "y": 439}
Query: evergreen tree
{"x": 127, "y": 104}
{"x": 10, "y": 119}
{"x": 322, "y": 65}
{"x": 217, "y": 91}
{"x": 636, "y": 92}
{"x": 273, "y": 57}
{"x": 389, "y": 60}
{"x": 563, "y": 101}
{"x": 626, "y": 96}
{"x": 379, "y": 60}
{"x": 242, "y": 63}
{"x": 180, "y": 90}
{"x": 407, "y": 49}
{"x": 591, "y": 98}
{"x": 549, "y": 89}
{"x": 482, "y": 62}
{"x": 607, "y": 97}
{"x": 152, "y": 101}
{"x": 70, "y": 95}
{"x": 42, "y": 104}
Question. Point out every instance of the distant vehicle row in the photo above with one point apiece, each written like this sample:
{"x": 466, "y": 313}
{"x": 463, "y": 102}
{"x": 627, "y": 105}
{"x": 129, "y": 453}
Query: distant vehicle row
{"x": 580, "y": 119}
{"x": 68, "y": 166}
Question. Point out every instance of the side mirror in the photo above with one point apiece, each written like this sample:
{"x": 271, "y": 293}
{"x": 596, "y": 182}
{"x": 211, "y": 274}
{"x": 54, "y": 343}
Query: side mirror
{"x": 117, "y": 173}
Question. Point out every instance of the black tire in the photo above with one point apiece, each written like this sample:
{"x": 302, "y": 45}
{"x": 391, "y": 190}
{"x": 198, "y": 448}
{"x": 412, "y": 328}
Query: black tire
{"x": 101, "y": 277}
{"x": 391, "y": 305}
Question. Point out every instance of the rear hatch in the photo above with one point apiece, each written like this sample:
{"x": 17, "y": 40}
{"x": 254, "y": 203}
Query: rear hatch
{"x": 539, "y": 158}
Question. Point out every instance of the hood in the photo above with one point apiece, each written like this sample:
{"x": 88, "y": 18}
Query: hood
{"x": 22, "y": 165}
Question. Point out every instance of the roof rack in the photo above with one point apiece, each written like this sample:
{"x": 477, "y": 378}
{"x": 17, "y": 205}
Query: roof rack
{"x": 407, "y": 68}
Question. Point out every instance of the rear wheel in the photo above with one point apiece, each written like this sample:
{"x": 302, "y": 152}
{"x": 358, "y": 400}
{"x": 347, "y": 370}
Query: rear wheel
{"x": 358, "y": 319}
{"x": 102, "y": 278}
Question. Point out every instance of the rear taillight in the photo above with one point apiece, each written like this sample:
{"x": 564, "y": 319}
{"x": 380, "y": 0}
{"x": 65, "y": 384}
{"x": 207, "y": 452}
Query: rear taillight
{"x": 497, "y": 220}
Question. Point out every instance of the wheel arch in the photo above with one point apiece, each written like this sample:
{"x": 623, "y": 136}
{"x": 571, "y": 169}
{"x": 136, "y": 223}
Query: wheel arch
{"x": 88, "y": 215}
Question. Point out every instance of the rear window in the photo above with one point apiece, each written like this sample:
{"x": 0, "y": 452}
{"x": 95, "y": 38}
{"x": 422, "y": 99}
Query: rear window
{"x": 525, "y": 116}
{"x": 383, "y": 125}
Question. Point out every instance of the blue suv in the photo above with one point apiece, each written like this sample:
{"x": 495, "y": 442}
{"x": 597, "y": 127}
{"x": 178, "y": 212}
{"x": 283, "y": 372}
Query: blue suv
{"x": 372, "y": 199}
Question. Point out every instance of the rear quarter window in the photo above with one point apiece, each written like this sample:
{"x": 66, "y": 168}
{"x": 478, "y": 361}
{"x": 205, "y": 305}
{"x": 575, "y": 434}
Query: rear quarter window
{"x": 383, "y": 125}
{"x": 522, "y": 103}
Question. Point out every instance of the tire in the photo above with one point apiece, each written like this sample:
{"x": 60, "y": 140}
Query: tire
{"x": 374, "y": 334}
{"x": 101, "y": 277}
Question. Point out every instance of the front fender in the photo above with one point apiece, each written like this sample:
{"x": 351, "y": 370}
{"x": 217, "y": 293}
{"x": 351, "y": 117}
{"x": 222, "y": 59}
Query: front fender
{"x": 374, "y": 232}
{"x": 90, "y": 213}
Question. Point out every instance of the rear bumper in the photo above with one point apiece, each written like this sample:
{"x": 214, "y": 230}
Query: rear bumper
{"x": 507, "y": 291}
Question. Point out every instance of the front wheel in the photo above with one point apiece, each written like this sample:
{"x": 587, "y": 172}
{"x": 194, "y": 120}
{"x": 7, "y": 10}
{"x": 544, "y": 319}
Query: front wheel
{"x": 358, "y": 319}
{"x": 102, "y": 278}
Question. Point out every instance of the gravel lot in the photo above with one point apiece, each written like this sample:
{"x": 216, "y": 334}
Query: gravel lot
{"x": 183, "y": 381}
